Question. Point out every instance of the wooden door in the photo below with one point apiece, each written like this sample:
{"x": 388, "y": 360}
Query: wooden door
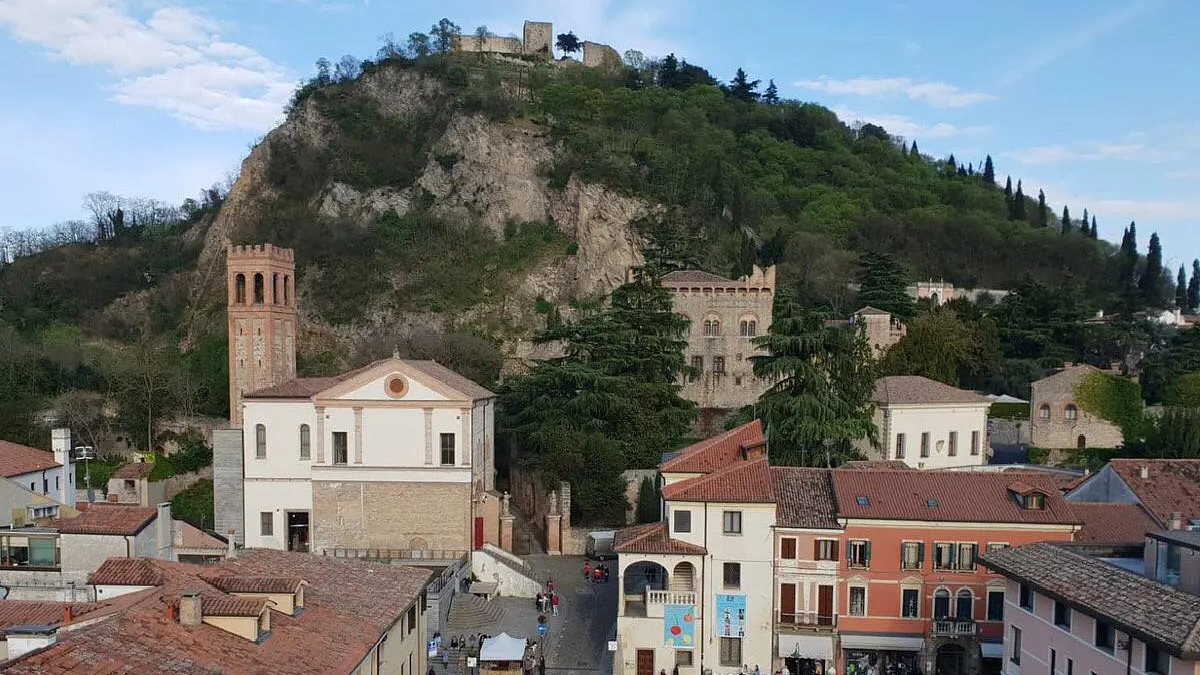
{"x": 645, "y": 662}
{"x": 787, "y": 603}
{"x": 478, "y": 533}
{"x": 825, "y": 605}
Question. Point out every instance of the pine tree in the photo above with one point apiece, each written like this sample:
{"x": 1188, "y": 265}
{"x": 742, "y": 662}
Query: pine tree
{"x": 742, "y": 87}
{"x": 1150, "y": 283}
{"x": 914, "y": 152}
{"x": 1181, "y": 297}
{"x": 771, "y": 95}
{"x": 989, "y": 172}
{"x": 883, "y": 284}
{"x": 1043, "y": 211}
{"x": 970, "y": 169}
{"x": 1019, "y": 203}
{"x": 950, "y": 162}
{"x": 1193, "y": 293}
{"x": 1008, "y": 193}
{"x": 1066, "y": 220}
{"x": 1095, "y": 232}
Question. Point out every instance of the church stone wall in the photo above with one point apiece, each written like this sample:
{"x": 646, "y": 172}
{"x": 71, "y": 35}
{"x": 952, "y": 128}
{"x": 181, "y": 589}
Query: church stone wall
{"x": 391, "y": 515}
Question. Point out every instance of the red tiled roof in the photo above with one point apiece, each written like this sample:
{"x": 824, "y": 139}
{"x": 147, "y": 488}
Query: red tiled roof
{"x": 958, "y": 496}
{"x": 1173, "y": 486}
{"x": 26, "y": 612}
{"x": 134, "y": 470}
{"x": 651, "y": 538}
{"x": 1112, "y": 523}
{"x": 110, "y": 519}
{"x": 875, "y": 465}
{"x": 349, "y": 606}
{"x": 190, "y": 536}
{"x": 917, "y": 390}
{"x": 717, "y": 452}
{"x": 217, "y": 604}
{"x": 804, "y": 498}
{"x": 744, "y": 482}
{"x": 240, "y": 584}
{"x": 126, "y": 572}
{"x": 16, "y": 459}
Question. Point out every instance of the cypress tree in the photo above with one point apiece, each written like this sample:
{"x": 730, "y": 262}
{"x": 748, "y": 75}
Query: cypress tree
{"x": 1193, "y": 295}
{"x": 989, "y": 172}
{"x": 1127, "y": 259}
{"x": 914, "y": 152}
{"x": 1066, "y": 220}
{"x": 1095, "y": 234}
{"x": 1019, "y": 203}
{"x": 1043, "y": 212}
{"x": 1083, "y": 224}
{"x": 950, "y": 161}
{"x": 1181, "y": 297}
{"x": 1150, "y": 283}
{"x": 1008, "y": 193}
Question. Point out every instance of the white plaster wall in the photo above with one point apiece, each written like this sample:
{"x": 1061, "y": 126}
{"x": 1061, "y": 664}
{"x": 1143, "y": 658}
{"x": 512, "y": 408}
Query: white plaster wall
{"x": 696, "y": 536}
{"x": 33, "y": 481}
{"x": 276, "y": 496}
{"x": 391, "y": 436}
{"x": 375, "y": 391}
{"x": 86, "y": 552}
{"x": 283, "y": 420}
{"x": 753, "y": 549}
{"x": 486, "y": 565}
{"x": 108, "y": 592}
{"x": 939, "y": 421}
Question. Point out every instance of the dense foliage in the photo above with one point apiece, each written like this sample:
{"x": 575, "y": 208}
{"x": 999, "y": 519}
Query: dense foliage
{"x": 195, "y": 505}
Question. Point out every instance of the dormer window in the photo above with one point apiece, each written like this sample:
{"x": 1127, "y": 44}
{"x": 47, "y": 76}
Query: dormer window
{"x": 1034, "y": 501}
{"x": 862, "y": 501}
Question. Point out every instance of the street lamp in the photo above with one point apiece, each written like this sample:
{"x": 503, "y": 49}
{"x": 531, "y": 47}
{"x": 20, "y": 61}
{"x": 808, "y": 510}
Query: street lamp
{"x": 86, "y": 453}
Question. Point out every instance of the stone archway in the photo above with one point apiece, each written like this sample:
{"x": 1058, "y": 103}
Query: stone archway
{"x": 954, "y": 655}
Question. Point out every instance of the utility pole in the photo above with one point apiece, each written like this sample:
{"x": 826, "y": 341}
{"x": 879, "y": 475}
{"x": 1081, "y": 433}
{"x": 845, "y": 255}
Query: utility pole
{"x": 86, "y": 453}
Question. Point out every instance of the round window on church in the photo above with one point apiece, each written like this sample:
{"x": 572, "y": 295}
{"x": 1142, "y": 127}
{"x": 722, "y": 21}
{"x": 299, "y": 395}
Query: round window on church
{"x": 396, "y": 386}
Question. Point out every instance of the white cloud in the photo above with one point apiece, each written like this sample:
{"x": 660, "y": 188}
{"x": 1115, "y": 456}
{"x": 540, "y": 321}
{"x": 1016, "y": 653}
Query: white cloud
{"x": 1053, "y": 47}
{"x": 175, "y": 60}
{"x": 936, "y": 94}
{"x": 1094, "y": 151}
{"x": 909, "y": 128}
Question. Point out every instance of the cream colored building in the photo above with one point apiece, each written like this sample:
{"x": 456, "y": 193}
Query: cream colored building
{"x": 725, "y": 315}
{"x": 927, "y": 424}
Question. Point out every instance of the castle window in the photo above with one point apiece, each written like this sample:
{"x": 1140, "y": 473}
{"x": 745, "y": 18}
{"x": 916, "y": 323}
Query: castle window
{"x": 718, "y": 365}
{"x": 260, "y": 441}
{"x": 305, "y": 442}
{"x": 274, "y": 289}
{"x": 1072, "y": 412}
{"x": 697, "y": 368}
{"x": 258, "y": 289}
{"x": 1044, "y": 412}
{"x": 748, "y": 328}
{"x": 712, "y": 327}
{"x": 239, "y": 286}
{"x": 287, "y": 291}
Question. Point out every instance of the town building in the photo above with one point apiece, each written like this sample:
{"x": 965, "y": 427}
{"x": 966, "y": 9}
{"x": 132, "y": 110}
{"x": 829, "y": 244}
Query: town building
{"x": 882, "y": 330}
{"x": 912, "y": 596}
{"x": 21, "y": 507}
{"x": 1167, "y": 490}
{"x": 940, "y": 292}
{"x": 47, "y": 473}
{"x": 1073, "y": 608}
{"x": 350, "y": 463}
{"x": 927, "y": 424}
{"x": 1056, "y": 420}
{"x": 261, "y": 612}
{"x": 725, "y": 315}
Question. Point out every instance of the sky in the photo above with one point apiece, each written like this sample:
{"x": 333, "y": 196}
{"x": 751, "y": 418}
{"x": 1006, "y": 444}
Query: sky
{"x": 1095, "y": 101}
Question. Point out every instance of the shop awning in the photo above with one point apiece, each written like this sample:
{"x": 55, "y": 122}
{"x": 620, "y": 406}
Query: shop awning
{"x": 806, "y": 646}
{"x": 899, "y": 643}
{"x": 502, "y": 647}
{"x": 992, "y": 650}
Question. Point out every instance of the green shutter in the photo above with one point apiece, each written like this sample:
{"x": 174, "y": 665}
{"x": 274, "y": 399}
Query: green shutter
{"x": 953, "y": 556}
{"x": 921, "y": 554}
{"x": 868, "y": 554}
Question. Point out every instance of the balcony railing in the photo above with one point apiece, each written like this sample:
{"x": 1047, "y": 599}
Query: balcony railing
{"x": 953, "y": 628}
{"x": 807, "y": 620}
{"x": 656, "y": 598}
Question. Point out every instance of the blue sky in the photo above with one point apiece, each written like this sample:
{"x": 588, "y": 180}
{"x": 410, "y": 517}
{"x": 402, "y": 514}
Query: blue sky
{"x": 1095, "y": 101}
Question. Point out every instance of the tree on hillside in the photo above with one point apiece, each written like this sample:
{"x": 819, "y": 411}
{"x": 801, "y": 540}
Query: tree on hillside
{"x": 820, "y": 404}
{"x": 1194, "y": 287}
{"x": 1083, "y": 223}
{"x": 1008, "y": 191}
{"x": 481, "y": 35}
{"x": 442, "y": 36}
{"x": 952, "y": 164}
{"x": 742, "y": 87}
{"x": 1043, "y": 210}
{"x": 1095, "y": 234}
{"x": 1181, "y": 298}
{"x": 323, "y": 76}
{"x": 1018, "y": 203}
{"x": 347, "y": 69}
{"x": 648, "y": 502}
{"x": 418, "y": 46}
{"x": 771, "y": 95}
{"x": 883, "y": 284}
{"x": 1066, "y": 220}
{"x": 989, "y": 172}
{"x": 568, "y": 43}
{"x": 1150, "y": 284}
{"x": 914, "y": 152}
{"x": 943, "y": 346}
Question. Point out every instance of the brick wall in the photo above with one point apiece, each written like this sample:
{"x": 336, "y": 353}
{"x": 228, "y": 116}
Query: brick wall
{"x": 391, "y": 515}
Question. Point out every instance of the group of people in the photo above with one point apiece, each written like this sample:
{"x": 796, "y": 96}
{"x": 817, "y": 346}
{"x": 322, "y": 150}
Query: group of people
{"x": 597, "y": 574}
{"x": 547, "y": 601}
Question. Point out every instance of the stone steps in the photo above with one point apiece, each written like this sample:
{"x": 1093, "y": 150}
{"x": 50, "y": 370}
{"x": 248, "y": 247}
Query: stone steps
{"x": 468, "y": 611}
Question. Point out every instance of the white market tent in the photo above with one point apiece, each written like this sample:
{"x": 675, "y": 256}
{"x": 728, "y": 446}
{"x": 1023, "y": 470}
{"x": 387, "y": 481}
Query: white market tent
{"x": 502, "y": 647}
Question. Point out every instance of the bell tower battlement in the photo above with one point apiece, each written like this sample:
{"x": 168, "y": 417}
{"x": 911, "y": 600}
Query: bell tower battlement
{"x": 261, "y": 306}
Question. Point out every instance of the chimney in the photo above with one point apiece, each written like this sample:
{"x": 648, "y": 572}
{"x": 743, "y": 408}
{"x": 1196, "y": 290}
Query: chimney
{"x": 1175, "y": 522}
{"x": 68, "y": 614}
{"x": 60, "y": 441}
{"x": 1143, "y": 472}
{"x": 190, "y": 611}
{"x": 232, "y": 552}
{"x": 164, "y": 532}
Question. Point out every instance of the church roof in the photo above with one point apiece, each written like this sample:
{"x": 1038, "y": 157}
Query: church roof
{"x": 307, "y": 387}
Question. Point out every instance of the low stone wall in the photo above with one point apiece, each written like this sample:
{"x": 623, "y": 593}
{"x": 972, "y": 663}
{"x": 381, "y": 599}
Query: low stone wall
{"x": 46, "y": 586}
{"x": 441, "y": 593}
{"x": 494, "y": 564}
{"x": 1008, "y": 432}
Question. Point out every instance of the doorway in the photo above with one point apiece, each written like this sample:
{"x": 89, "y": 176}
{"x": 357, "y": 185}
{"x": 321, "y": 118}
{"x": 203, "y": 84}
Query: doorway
{"x": 951, "y": 660}
{"x": 799, "y": 666}
{"x": 645, "y": 662}
{"x": 297, "y": 531}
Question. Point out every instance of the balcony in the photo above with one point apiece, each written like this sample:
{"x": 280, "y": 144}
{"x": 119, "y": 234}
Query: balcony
{"x": 655, "y": 599}
{"x": 953, "y": 628}
{"x": 805, "y": 622}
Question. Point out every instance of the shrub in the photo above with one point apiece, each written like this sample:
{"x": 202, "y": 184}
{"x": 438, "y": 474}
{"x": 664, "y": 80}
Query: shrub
{"x": 195, "y": 505}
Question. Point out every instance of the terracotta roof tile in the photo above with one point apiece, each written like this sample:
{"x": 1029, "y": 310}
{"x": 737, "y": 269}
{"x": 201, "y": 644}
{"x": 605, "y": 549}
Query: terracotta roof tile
{"x": 954, "y": 496}
{"x": 651, "y": 538}
{"x": 804, "y": 498}
{"x": 917, "y": 390}
{"x": 875, "y": 465}
{"x": 466, "y": 385}
{"x": 872, "y": 311}
{"x": 717, "y": 452}
{"x": 1110, "y": 523}
{"x": 1147, "y": 609}
{"x": 31, "y": 612}
{"x": 744, "y": 482}
{"x": 126, "y": 572}
{"x": 190, "y": 536}
{"x": 216, "y": 604}
{"x": 307, "y": 387}
{"x": 245, "y": 584}
{"x": 301, "y": 387}
{"x": 134, "y": 470}
{"x": 16, "y": 459}
{"x": 110, "y": 519}
{"x": 1172, "y": 486}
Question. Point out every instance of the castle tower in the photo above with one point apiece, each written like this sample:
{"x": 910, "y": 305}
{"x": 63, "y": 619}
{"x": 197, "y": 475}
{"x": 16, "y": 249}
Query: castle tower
{"x": 262, "y": 320}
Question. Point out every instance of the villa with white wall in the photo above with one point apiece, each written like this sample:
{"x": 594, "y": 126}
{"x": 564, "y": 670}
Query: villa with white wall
{"x": 927, "y": 424}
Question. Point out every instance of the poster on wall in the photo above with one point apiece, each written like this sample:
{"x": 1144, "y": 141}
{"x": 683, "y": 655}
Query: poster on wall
{"x": 731, "y": 615}
{"x": 679, "y": 625}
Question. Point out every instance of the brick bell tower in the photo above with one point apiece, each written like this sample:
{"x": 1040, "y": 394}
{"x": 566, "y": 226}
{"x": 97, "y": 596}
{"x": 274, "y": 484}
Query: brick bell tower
{"x": 262, "y": 320}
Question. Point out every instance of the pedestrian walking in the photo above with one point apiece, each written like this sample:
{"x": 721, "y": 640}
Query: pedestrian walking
{"x": 537, "y": 601}
{"x": 550, "y": 585}
{"x": 605, "y": 568}
{"x": 554, "y": 603}
{"x": 587, "y": 571}
{"x": 598, "y": 576}
{"x": 446, "y": 659}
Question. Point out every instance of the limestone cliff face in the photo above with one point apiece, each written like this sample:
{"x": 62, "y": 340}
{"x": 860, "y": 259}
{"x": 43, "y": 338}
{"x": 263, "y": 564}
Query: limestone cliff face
{"x": 489, "y": 171}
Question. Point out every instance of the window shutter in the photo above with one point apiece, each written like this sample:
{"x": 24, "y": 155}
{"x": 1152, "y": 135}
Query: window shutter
{"x": 868, "y": 549}
{"x": 816, "y": 549}
{"x": 921, "y": 554}
{"x": 835, "y": 549}
{"x": 953, "y": 556}
{"x": 974, "y": 555}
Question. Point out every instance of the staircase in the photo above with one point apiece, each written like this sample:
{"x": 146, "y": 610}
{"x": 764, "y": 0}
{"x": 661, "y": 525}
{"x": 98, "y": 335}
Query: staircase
{"x": 682, "y": 579}
{"x": 468, "y": 611}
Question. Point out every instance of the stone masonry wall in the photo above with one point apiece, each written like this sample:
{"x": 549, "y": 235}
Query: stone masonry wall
{"x": 227, "y": 482}
{"x": 596, "y": 55}
{"x": 1058, "y": 391}
{"x": 539, "y": 38}
{"x": 492, "y": 44}
{"x": 391, "y": 515}
{"x": 737, "y": 386}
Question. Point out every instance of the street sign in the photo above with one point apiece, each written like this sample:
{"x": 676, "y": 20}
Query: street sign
{"x": 471, "y": 661}
{"x": 612, "y": 645}
{"x": 542, "y": 628}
